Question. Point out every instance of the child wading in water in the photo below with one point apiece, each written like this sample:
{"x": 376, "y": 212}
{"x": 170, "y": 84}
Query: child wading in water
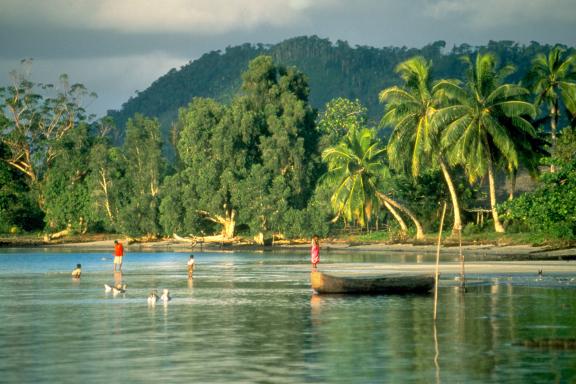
{"x": 315, "y": 251}
{"x": 190, "y": 266}
{"x": 77, "y": 271}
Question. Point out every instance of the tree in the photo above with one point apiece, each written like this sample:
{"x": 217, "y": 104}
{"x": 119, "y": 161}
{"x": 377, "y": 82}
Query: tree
{"x": 357, "y": 173}
{"x": 199, "y": 195}
{"x": 415, "y": 140}
{"x": 246, "y": 163}
{"x": 479, "y": 120}
{"x": 138, "y": 200}
{"x": 66, "y": 193}
{"x": 18, "y": 208}
{"x": 35, "y": 121}
{"x": 553, "y": 80}
{"x": 339, "y": 116}
{"x": 107, "y": 170}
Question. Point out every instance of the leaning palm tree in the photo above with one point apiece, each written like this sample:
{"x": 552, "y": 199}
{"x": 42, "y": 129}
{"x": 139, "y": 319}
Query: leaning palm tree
{"x": 410, "y": 110}
{"x": 480, "y": 118}
{"x": 357, "y": 171}
{"x": 553, "y": 80}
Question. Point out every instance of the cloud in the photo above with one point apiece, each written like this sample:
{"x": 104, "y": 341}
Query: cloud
{"x": 137, "y": 16}
{"x": 486, "y": 14}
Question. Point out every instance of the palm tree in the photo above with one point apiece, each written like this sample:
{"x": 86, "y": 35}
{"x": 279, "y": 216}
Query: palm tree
{"x": 356, "y": 169}
{"x": 410, "y": 110}
{"x": 553, "y": 80}
{"x": 481, "y": 115}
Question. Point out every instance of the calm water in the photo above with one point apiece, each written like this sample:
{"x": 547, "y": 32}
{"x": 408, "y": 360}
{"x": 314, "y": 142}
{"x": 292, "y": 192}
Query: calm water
{"x": 252, "y": 318}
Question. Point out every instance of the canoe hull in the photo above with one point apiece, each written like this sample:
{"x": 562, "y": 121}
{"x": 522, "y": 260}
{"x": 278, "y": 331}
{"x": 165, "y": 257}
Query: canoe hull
{"x": 380, "y": 284}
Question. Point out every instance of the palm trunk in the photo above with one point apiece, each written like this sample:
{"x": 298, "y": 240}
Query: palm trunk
{"x": 457, "y": 226}
{"x": 397, "y": 216}
{"x": 512, "y": 188}
{"x": 497, "y": 224}
{"x": 553, "y": 127}
{"x": 419, "y": 228}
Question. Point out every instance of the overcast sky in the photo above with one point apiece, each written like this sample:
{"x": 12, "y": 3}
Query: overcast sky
{"x": 116, "y": 47}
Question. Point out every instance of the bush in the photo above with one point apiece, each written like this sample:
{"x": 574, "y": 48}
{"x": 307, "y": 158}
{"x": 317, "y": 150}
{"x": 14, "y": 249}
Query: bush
{"x": 550, "y": 209}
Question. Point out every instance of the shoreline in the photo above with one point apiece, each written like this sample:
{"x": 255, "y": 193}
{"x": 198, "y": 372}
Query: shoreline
{"x": 504, "y": 252}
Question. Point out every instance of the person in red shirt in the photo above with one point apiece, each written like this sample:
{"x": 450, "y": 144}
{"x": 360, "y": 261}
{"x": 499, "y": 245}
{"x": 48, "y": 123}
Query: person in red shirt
{"x": 118, "y": 255}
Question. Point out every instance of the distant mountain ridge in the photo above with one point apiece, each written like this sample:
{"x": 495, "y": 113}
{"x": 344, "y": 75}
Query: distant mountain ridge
{"x": 333, "y": 69}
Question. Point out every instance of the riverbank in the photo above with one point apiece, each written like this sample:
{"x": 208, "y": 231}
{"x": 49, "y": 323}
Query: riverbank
{"x": 492, "y": 251}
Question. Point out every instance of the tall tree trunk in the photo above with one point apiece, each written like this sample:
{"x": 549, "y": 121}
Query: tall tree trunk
{"x": 104, "y": 184}
{"x": 492, "y": 185}
{"x": 397, "y": 216}
{"x": 553, "y": 127}
{"x": 512, "y": 188}
{"x": 457, "y": 226}
{"x": 419, "y": 228}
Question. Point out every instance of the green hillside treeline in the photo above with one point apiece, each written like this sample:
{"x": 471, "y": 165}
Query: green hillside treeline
{"x": 303, "y": 137}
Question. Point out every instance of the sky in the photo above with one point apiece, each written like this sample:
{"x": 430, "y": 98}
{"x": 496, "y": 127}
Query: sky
{"x": 118, "y": 47}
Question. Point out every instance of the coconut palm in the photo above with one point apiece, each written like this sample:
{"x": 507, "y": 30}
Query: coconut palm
{"x": 553, "y": 80}
{"x": 483, "y": 113}
{"x": 357, "y": 170}
{"x": 410, "y": 110}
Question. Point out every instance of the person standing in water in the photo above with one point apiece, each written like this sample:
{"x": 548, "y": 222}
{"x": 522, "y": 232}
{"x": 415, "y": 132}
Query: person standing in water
{"x": 77, "y": 271}
{"x": 315, "y": 251}
{"x": 190, "y": 266}
{"x": 118, "y": 255}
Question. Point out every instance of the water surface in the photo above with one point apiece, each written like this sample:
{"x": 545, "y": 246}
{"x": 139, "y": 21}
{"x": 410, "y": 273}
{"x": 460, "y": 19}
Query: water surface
{"x": 252, "y": 318}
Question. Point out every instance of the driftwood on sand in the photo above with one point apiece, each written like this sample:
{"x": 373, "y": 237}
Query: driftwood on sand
{"x": 219, "y": 239}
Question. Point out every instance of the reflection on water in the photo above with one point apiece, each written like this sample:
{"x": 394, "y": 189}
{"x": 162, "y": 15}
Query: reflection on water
{"x": 253, "y": 318}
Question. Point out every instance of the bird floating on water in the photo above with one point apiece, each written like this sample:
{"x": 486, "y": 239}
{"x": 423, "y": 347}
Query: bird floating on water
{"x": 165, "y": 295}
{"x": 152, "y": 297}
{"x": 115, "y": 289}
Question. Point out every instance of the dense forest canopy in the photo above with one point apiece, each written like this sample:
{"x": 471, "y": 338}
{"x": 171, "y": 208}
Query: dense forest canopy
{"x": 310, "y": 137}
{"x": 333, "y": 70}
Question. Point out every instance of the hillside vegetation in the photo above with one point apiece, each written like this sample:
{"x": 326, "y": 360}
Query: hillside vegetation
{"x": 333, "y": 70}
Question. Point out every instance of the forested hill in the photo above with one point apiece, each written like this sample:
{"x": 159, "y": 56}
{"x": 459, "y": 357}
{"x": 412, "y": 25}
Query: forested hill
{"x": 333, "y": 69}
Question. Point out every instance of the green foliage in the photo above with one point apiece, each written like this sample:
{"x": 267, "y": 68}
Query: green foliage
{"x": 334, "y": 70}
{"x": 105, "y": 180}
{"x": 66, "y": 194}
{"x": 551, "y": 208}
{"x": 552, "y": 78}
{"x": 144, "y": 167}
{"x": 18, "y": 207}
{"x": 339, "y": 117}
{"x": 252, "y": 161}
{"x": 35, "y": 118}
{"x": 356, "y": 166}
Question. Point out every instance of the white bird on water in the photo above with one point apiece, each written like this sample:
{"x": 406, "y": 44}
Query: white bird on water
{"x": 152, "y": 298}
{"x": 118, "y": 288}
{"x": 165, "y": 295}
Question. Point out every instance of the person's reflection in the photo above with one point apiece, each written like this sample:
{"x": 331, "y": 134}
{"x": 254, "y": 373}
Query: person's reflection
{"x": 190, "y": 282}
{"x": 118, "y": 278}
{"x": 315, "y": 308}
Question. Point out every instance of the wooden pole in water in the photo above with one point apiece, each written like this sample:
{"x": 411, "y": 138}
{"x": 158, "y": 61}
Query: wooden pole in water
{"x": 462, "y": 273}
{"x": 436, "y": 275}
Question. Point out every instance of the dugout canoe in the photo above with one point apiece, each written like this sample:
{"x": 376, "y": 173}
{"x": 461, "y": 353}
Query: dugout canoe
{"x": 371, "y": 284}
